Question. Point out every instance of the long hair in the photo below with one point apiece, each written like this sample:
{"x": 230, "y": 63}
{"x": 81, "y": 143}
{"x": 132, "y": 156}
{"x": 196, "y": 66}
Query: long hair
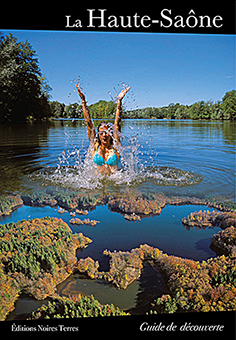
{"x": 97, "y": 141}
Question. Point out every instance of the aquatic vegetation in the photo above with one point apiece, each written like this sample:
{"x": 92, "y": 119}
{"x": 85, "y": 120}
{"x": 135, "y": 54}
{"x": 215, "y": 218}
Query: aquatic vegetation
{"x": 81, "y": 212}
{"x": 86, "y": 221}
{"x": 75, "y": 307}
{"x": 132, "y": 201}
{"x": 137, "y": 203}
{"x": 206, "y": 219}
{"x": 182, "y": 200}
{"x": 132, "y": 217}
{"x": 221, "y": 204}
{"x": 39, "y": 199}
{"x": 225, "y": 240}
{"x": 65, "y": 199}
{"x": 36, "y": 255}
{"x": 9, "y": 203}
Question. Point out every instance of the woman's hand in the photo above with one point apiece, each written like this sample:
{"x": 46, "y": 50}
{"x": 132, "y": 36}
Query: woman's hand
{"x": 82, "y": 96}
{"x": 87, "y": 117}
{"x": 123, "y": 93}
{"x": 117, "y": 124}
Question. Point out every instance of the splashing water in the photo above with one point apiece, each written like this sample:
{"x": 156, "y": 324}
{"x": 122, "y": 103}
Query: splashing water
{"x": 76, "y": 169}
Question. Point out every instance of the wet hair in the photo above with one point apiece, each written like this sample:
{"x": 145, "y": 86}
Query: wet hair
{"x": 110, "y": 130}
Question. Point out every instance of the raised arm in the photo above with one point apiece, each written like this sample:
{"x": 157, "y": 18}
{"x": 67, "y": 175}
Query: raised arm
{"x": 117, "y": 123}
{"x": 87, "y": 117}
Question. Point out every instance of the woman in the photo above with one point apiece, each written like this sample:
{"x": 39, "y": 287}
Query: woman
{"x": 104, "y": 144}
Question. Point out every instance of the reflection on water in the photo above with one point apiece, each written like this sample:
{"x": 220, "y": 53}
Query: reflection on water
{"x": 137, "y": 298}
{"x": 24, "y": 306}
{"x": 21, "y": 149}
{"x": 179, "y": 157}
{"x": 104, "y": 292}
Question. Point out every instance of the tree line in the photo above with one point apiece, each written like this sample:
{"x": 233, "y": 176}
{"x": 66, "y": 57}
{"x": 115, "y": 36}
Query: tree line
{"x": 25, "y": 94}
{"x": 99, "y": 110}
{"x": 207, "y": 110}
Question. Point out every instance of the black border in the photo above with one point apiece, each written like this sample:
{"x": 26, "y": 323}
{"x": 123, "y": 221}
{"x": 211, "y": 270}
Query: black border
{"x": 45, "y": 17}
{"x": 171, "y": 325}
{"x": 39, "y": 16}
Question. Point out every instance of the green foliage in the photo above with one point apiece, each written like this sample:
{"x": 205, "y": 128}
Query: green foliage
{"x": 7, "y": 203}
{"x": 57, "y": 109}
{"x": 225, "y": 110}
{"x": 194, "y": 286}
{"x": 27, "y": 249}
{"x": 229, "y": 105}
{"x": 24, "y": 92}
{"x": 35, "y": 255}
{"x": 101, "y": 109}
{"x": 166, "y": 304}
{"x": 75, "y": 307}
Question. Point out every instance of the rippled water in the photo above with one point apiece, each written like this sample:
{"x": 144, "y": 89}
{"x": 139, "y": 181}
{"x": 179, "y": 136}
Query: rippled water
{"x": 195, "y": 158}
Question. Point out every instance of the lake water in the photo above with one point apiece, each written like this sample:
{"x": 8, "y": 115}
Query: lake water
{"x": 192, "y": 158}
{"x": 201, "y": 153}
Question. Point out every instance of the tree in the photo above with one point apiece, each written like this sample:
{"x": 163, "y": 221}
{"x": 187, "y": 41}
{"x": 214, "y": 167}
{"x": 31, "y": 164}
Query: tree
{"x": 194, "y": 111}
{"x": 24, "y": 92}
{"x": 57, "y": 109}
{"x": 181, "y": 112}
{"x": 171, "y": 111}
{"x": 229, "y": 105}
{"x": 217, "y": 111}
{"x": 102, "y": 109}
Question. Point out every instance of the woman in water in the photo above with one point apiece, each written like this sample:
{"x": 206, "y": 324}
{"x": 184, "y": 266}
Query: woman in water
{"x": 104, "y": 144}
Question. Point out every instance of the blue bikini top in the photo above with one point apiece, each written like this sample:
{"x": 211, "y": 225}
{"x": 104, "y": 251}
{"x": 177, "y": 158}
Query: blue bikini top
{"x": 112, "y": 160}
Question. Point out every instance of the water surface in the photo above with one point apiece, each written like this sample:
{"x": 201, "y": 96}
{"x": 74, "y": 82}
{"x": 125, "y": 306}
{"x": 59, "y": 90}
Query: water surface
{"x": 177, "y": 157}
{"x": 115, "y": 233}
{"x": 201, "y": 153}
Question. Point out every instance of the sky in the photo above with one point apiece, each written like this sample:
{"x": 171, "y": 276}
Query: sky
{"x": 160, "y": 68}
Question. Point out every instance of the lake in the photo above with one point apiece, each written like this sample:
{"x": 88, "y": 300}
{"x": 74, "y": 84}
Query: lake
{"x": 202, "y": 154}
{"x": 174, "y": 157}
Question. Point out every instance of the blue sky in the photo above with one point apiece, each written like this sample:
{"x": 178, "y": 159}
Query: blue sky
{"x": 160, "y": 68}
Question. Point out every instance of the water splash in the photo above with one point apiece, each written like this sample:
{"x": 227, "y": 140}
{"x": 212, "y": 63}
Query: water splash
{"x": 76, "y": 169}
